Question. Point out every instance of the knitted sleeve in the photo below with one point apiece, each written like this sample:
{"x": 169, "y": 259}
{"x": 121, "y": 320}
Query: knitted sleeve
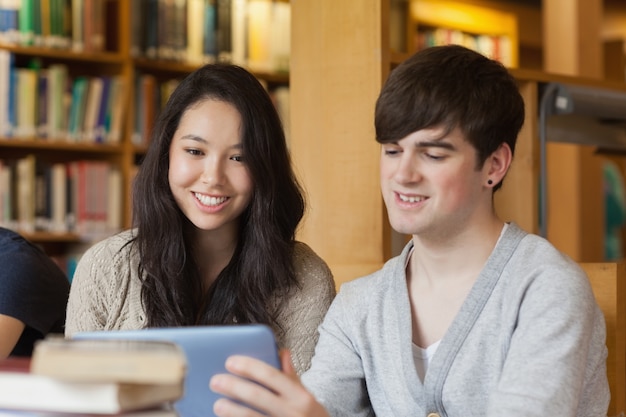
{"x": 100, "y": 290}
{"x": 303, "y": 309}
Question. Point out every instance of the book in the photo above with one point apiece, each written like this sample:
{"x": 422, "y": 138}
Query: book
{"x": 92, "y": 108}
{"x": 52, "y": 395}
{"x": 17, "y": 388}
{"x": 76, "y": 115}
{"x": 152, "y": 412}
{"x": 116, "y": 108}
{"x": 25, "y": 187}
{"x": 223, "y": 30}
{"x": 58, "y": 193}
{"x": 195, "y": 31}
{"x": 125, "y": 361}
{"x": 141, "y": 413}
{"x": 209, "y": 36}
{"x": 239, "y": 30}
{"x": 114, "y": 201}
{"x": 26, "y": 103}
{"x": 26, "y": 23}
{"x": 258, "y": 33}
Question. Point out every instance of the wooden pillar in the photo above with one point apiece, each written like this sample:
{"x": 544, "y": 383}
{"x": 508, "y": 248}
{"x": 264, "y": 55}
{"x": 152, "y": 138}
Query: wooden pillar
{"x": 339, "y": 54}
{"x": 518, "y": 199}
{"x": 573, "y": 46}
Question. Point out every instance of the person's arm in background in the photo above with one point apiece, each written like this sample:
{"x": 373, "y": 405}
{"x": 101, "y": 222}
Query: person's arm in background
{"x": 10, "y": 331}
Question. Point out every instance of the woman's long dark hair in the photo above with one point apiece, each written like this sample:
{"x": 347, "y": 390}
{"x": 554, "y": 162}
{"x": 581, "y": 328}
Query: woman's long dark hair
{"x": 262, "y": 264}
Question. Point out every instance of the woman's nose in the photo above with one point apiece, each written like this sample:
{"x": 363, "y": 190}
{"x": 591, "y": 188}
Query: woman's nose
{"x": 213, "y": 172}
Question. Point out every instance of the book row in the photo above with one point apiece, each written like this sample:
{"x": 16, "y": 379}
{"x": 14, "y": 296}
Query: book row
{"x": 83, "y": 197}
{"x": 250, "y": 33}
{"x": 38, "y": 102}
{"x": 494, "y": 47}
{"x": 93, "y": 378}
{"x": 152, "y": 93}
{"x": 78, "y": 25}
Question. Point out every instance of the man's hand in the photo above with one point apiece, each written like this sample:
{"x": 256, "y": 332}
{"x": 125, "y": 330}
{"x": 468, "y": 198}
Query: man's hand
{"x": 280, "y": 394}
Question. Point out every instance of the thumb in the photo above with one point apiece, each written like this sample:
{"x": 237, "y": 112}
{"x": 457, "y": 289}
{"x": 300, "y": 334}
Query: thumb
{"x": 286, "y": 363}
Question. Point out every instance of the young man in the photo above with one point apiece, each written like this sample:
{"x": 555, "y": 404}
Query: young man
{"x": 475, "y": 317}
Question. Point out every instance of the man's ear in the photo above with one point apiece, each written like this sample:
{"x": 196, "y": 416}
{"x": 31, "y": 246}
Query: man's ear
{"x": 498, "y": 163}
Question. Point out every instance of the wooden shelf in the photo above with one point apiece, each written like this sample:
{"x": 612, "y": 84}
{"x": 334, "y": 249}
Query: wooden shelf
{"x": 65, "y": 54}
{"x": 60, "y": 146}
{"x": 182, "y": 68}
{"x": 115, "y": 61}
{"x": 49, "y": 237}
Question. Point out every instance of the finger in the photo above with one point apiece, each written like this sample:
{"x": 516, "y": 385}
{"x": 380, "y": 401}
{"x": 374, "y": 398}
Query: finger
{"x": 287, "y": 363}
{"x": 258, "y": 371}
{"x": 283, "y": 392}
{"x": 244, "y": 391}
{"x": 224, "y": 407}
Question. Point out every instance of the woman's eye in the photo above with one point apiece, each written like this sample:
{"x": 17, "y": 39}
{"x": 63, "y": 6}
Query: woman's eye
{"x": 194, "y": 152}
{"x": 237, "y": 158}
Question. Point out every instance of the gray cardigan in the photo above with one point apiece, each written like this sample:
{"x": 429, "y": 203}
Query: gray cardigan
{"x": 528, "y": 341}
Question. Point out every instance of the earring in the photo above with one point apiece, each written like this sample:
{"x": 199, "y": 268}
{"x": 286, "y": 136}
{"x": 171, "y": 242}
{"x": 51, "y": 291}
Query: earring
{"x": 489, "y": 182}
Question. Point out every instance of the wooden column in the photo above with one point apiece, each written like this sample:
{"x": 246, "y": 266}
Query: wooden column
{"x": 339, "y": 54}
{"x": 518, "y": 199}
{"x": 572, "y": 46}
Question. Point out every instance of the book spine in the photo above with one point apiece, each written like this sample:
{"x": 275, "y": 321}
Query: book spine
{"x": 5, "y": 193}
{"x": 43, "y": 92}
{"x": 56, "y": 97}
{"x": 179, "y": 37}
{"x": 114, "y": 203}
{"x": 280, "y": 35}
{"x": 26, "y": 193}
{"x": 41, "y": 201}
{"x": 26, "y": 29}
{"x": 224, "y": 41}
{"x": 45, "y": 23}
{"x": 92, "y": 103}
{"x": 195, "y": 19}
{"x": 78, "y": 44}
{"x": 26, "y": 103}
{"x": 137, "y": 17}
{"x": 5, "y": 95}
{"x": 77, "y": 109}
{"x": 239, "y": 31}
{"x": 11, "y": 30}
{"x": 209, "y": 40}
{"x": 100, "y": 132}
{"x": 37, "y": 29}
{"x": 59, "y": 198}
{"x": 151, "y": 20}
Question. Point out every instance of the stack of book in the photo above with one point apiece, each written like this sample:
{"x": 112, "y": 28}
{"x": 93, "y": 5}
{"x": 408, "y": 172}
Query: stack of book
{"x": 93, "y": 377}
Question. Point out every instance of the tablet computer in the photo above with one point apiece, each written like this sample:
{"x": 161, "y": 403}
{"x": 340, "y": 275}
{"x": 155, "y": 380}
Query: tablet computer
{"x": 206, "y": 348}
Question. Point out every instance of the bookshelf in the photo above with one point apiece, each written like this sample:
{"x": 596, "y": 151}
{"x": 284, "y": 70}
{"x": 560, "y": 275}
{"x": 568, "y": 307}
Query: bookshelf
{"x": 492, "y": 32}
{"x": 344, "y": 55}
{"x": 43, "y": 43}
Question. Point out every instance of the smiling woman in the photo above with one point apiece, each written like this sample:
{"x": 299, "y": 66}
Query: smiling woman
{"x": 216, "y": 205}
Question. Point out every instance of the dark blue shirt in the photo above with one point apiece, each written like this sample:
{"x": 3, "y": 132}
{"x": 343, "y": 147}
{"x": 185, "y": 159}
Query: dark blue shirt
{"x": 33, "y": 289}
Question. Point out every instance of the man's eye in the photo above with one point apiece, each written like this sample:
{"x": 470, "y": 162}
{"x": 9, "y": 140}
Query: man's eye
{"x": 434, "y": 157}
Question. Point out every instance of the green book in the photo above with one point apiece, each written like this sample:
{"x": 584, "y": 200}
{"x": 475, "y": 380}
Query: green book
{"x": 26, "y": 23}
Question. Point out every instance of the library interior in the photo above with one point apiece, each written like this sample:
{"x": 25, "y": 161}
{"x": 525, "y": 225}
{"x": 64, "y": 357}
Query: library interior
{"x": 81, "y": 82}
